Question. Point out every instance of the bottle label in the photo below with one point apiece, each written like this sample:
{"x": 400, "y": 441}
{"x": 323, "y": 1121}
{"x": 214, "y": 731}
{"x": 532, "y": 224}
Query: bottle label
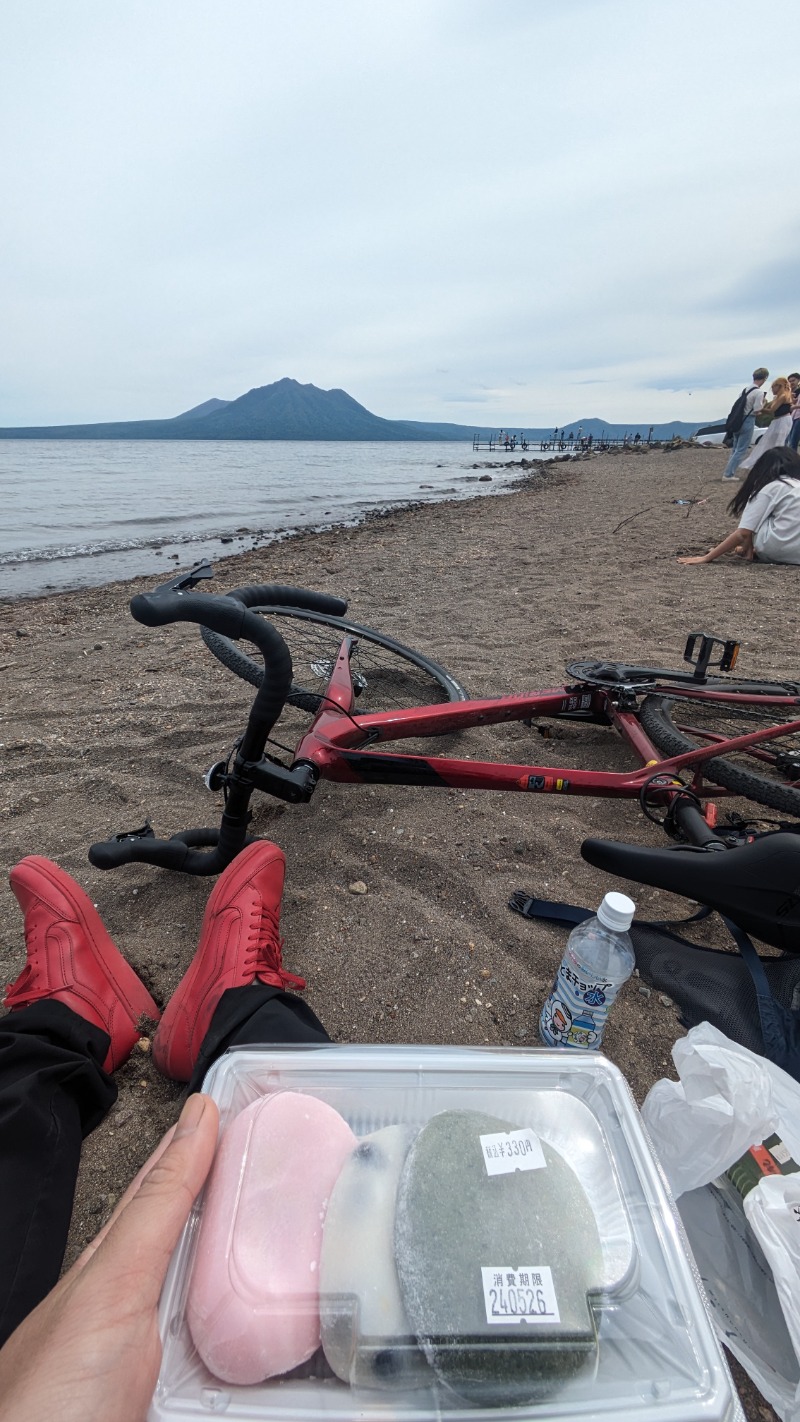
{"x": 575, "y": 1013}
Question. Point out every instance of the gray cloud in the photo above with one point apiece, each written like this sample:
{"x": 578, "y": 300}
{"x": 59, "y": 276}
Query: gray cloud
{"x": 435, "y": 204}
{"x": 771, "y": 287}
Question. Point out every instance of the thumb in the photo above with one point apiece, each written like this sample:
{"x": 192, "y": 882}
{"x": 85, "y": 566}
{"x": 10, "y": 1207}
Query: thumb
{"x": 143, "y": 1236}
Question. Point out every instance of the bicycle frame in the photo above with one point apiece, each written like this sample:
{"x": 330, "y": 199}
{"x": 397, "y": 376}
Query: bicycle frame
{"x": 333, "y": 745}
{"x": 339, "y": 743}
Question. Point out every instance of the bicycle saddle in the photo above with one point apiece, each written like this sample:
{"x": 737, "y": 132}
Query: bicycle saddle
{"x": 757, "y": 884}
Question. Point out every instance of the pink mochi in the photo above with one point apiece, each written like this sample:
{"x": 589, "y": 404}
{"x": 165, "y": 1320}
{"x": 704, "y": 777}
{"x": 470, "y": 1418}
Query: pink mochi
{"x": 253, "y": 1301}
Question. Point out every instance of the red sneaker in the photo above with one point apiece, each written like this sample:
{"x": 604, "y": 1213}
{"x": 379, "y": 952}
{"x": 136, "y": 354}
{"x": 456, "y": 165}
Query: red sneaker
{"x": 239, "y": 945}
{"x": 71, "y": 959}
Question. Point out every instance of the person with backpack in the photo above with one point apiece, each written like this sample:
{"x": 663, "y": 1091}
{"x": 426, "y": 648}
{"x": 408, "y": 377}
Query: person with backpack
{"x": 776, "y": 415}
{"x": 741, "y": 421}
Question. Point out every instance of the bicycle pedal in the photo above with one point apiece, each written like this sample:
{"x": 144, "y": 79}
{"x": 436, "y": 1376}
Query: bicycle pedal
{"x": 703, "y": 659}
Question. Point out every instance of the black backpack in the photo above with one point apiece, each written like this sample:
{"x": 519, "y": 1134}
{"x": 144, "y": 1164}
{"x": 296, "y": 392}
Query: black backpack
{"x": 735, "y": 419}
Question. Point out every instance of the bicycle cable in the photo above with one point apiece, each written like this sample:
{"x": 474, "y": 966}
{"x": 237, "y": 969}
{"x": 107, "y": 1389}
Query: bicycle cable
{"x": 680, "y": 792}
{"x": 289, "y": 750}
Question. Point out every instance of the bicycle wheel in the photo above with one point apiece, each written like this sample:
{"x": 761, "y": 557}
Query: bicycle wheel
{"x": 764, "y": 773}
{"x": 386, "y": 675}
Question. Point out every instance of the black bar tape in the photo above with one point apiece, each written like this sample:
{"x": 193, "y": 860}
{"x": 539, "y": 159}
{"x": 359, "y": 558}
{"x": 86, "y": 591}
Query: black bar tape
{"x": 219, "y": 613}
{"x": 278, "y": 595}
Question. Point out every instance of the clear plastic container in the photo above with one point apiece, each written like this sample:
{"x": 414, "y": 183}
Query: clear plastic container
{"x": 649, "y": 1352}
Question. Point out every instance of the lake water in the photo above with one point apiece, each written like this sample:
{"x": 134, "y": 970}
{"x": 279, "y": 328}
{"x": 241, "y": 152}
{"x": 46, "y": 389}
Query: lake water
{"x": 80, "y": 513}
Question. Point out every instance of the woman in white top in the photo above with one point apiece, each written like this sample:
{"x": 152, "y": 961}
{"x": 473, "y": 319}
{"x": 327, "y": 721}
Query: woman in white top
{"x": 768, "y": 508}
{"x": 779, "y": 427}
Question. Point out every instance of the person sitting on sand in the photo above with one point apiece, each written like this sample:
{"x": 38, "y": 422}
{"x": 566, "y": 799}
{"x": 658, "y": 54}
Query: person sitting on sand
{"x": 768, "y": 508}
{"x": 90, "y": 1345}
{"x": 779, "y": 428}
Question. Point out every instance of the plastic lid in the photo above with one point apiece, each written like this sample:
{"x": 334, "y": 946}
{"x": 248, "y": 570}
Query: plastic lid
{"x": 616, "y": 911}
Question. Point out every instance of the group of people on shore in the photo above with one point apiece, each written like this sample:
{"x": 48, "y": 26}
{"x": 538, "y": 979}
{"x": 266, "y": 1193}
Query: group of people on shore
{"x": 780, "y": 415}
{"x": 767, "y": 504}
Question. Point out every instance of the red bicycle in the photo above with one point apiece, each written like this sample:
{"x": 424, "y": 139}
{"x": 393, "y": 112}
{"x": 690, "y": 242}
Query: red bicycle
{"x": 700, "y": 734}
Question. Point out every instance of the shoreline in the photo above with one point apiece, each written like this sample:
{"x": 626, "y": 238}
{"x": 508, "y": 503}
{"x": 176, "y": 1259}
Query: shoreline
{"x": 522, "y": 470}
{"x": 252, "y": 541}
{"x": 122, "y": 546}
{"x": 107, "y": 723}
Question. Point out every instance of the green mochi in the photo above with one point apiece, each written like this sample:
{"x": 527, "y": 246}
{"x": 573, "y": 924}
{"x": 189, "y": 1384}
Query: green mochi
{"x": 455, "y": 1220}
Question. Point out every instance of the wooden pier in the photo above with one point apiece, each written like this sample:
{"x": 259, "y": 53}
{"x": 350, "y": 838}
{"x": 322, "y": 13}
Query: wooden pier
{"x": 560, "y": 443}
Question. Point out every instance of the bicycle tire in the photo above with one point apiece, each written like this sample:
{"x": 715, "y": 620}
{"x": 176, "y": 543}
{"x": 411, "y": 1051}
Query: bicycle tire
{"x": 656, "y": 718}
{"x": 388, "y": 674}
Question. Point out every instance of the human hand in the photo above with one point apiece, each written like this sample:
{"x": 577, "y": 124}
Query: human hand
{"x": 91, "y": 1349}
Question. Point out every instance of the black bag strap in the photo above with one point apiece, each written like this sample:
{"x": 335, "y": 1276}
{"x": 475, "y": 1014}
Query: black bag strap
{"x": 780, "y": 1027}
{"x": 531, "y": 907}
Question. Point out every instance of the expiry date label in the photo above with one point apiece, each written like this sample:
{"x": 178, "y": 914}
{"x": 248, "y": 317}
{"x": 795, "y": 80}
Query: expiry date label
{"x": 780, "y": 1152}
{"x": 521, "y": 1295}
{"x": 505, "y": 1151}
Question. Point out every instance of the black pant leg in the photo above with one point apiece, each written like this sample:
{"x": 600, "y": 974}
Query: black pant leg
{"x": 53, "y": 1092}
{"x": 256, "y": 1015}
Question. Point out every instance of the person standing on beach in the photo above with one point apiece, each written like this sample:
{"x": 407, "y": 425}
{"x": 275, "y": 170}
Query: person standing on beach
{"x": 779, "y": 410}
{"x": 744, "y": 436}
{"x": 794, "y": 433}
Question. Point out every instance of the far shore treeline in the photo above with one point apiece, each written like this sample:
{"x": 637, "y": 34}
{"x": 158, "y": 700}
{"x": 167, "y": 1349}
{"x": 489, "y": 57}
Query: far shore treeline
{"x": 289, "y": 410}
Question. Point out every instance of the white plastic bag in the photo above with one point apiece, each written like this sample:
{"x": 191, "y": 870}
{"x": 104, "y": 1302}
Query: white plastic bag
{"x": 747, "y": 1253}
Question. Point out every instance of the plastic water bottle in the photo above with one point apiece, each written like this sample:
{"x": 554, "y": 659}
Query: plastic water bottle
{"x": 597, "y": 960}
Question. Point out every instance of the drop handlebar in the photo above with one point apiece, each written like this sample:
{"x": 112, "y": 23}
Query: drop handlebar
{"x": 208, "y": 851}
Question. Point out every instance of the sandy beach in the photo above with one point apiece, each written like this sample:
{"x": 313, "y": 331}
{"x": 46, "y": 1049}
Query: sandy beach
{"x": 106, "y": 724}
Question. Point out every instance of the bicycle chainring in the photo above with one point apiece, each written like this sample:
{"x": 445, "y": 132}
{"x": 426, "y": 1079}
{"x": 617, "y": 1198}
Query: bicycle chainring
{"x": 608, "y": 674}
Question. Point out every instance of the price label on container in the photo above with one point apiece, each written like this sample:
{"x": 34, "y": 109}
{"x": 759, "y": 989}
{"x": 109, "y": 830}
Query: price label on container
{"x": 523, "y": 1295}
{"x": 505, "y": 1151}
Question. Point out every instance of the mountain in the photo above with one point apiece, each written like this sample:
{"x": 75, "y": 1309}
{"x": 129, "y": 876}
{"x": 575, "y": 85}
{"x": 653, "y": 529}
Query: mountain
{"x": 288, "y": 410}
{"x": 284, "y": 410}
{"x": 535, "y": 434}
{"x": 598, "y": 428}
{"x": 208, "y": 407}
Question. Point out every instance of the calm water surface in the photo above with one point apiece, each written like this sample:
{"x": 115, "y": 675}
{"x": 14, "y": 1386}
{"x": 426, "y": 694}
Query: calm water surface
{"x": 79, "y": 513}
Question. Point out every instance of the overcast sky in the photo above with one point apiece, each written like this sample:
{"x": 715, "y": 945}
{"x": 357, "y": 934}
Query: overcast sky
{"x": 488, "y": 211}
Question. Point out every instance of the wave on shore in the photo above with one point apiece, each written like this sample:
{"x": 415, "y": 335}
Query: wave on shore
{"x": 81, "y": 516}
